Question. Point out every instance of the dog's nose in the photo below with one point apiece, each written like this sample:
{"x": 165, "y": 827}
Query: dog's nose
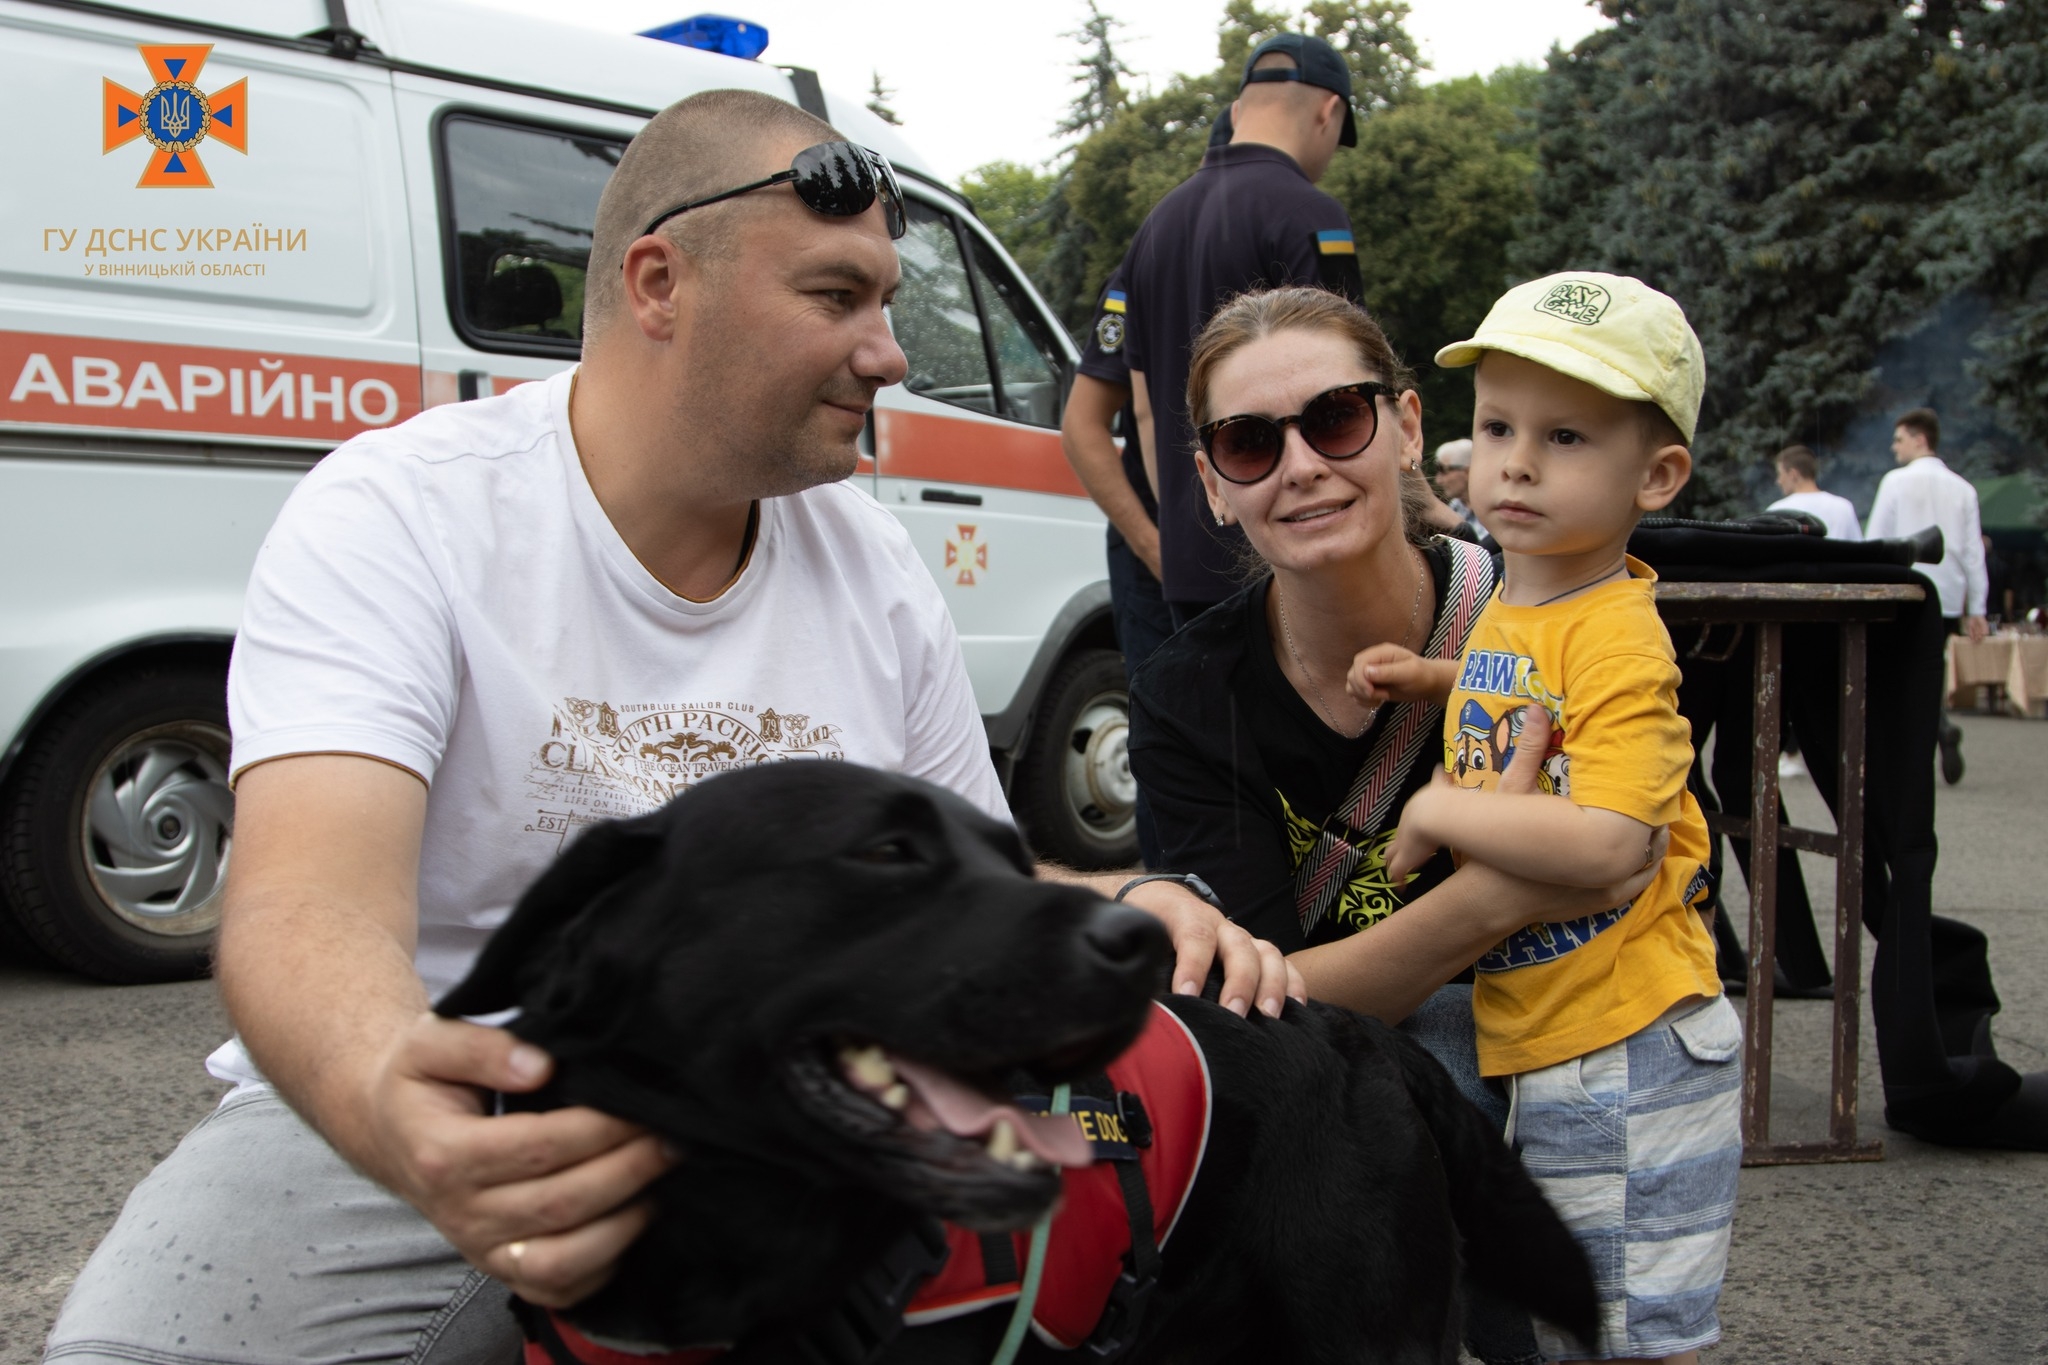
{"x": 1125, "y": 938}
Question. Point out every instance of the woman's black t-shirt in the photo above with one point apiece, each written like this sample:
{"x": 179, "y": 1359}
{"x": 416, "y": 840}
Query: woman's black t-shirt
{"x": 1240, "y": 773}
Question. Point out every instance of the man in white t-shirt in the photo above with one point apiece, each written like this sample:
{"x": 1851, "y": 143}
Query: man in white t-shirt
{"x": 467, "y": 637}
{"x": 1924, "y": 492}
{"x": 1798, "y": 480}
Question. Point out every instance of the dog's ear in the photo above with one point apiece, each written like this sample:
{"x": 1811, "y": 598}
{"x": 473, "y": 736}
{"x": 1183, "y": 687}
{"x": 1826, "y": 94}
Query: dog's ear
{"x": 605, "y": 856}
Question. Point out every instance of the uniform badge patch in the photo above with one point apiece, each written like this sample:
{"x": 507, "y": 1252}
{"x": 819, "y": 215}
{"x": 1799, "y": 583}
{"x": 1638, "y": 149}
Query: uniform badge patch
{"x": 1109, "y": 333}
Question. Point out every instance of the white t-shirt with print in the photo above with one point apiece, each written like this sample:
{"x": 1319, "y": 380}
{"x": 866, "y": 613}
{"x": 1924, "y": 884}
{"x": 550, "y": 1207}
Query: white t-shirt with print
{"x": 449, "y": 596}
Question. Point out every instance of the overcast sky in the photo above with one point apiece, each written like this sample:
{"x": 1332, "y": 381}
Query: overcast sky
{"x": 976, "y": 81}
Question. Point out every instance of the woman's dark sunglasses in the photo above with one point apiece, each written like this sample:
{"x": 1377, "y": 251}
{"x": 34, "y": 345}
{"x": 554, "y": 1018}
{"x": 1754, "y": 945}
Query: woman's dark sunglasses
{"x": 1337, "y": 425}
{"x": 837, "y": 179}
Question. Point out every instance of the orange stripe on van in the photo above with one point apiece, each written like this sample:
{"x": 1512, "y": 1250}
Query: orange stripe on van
{"x": 146, "y": 386}
{"x": 959, "y": 450}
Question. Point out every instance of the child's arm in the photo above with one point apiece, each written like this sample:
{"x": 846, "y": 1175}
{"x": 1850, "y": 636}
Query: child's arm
{"x": 1533, "y": 836}
{"x": 1391, "y": 673}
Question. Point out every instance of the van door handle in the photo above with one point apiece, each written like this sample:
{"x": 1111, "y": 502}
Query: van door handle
{"x": 948, "y": 495}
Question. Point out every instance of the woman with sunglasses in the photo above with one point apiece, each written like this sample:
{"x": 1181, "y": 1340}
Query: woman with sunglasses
{"x": 1267, "y": 776}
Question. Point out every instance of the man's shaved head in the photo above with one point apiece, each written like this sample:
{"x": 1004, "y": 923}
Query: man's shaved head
{"x": 696, "y": 147}
{"x": 1296, "y": 98}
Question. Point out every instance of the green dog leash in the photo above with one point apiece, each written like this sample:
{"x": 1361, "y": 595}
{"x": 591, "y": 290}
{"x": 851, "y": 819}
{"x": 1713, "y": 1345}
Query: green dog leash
{"x": 1034, "y": 1265}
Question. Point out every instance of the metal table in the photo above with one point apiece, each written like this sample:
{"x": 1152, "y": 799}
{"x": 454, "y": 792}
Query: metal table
{"x": 1766, "y": 608}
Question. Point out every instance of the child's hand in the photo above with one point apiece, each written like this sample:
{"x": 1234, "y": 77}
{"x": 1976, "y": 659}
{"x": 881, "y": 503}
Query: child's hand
{"x": 1392, "y": 673}
{"x": 1413, "y": 843}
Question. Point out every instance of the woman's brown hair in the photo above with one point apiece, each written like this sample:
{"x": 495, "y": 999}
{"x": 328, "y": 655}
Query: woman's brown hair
{"x": 1260, "y": 313}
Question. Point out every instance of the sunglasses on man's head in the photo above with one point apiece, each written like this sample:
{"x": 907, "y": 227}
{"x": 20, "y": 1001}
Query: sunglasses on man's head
{"x": 1336, "y": 424}
{"x": 837, "y": 179}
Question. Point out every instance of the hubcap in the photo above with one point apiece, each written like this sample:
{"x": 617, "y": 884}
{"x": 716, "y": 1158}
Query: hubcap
{"x": 159, "y": 819}
{"x": 1100, "y": 789}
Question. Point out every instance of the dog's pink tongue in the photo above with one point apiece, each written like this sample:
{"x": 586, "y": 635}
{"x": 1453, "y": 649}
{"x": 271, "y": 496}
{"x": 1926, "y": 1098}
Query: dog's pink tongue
{"x": 966, "y": 1112}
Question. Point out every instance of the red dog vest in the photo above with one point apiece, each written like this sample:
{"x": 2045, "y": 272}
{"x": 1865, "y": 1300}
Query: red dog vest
{"x": 1090, "y": 1235}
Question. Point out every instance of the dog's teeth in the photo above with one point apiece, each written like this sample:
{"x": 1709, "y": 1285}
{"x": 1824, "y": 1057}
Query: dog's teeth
{"x": 896, "y": 1096}
{"x": 1026, "y": 1161}
{"x": 869, "y": 1067}
{"x": 1002, "y": 1141}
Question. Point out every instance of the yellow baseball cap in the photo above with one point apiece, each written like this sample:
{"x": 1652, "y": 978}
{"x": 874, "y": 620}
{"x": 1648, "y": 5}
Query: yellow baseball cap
{"x": 1610, "y": 331}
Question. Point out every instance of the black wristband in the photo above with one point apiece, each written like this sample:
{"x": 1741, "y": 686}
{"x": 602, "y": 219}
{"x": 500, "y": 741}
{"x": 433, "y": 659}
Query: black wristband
{"x": 1188, "y": 879}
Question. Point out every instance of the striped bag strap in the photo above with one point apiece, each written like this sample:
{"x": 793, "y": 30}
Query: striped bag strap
{"x": 1326, "y": 869}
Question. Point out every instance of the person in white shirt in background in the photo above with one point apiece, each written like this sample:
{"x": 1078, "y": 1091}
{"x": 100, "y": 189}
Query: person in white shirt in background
{"x": 1924, "y": 492}
{"x": 1798, "y": 481}
{"x": 1454, "y": 477}
{"x": 1798, "y": 474}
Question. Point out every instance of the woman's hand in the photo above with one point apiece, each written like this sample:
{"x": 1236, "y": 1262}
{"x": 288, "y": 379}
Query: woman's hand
{"x": 1530, "y": 901}
{"x": 1254, "y": 971}
{"x": 1414, "y": 844}
{"x": 1522, "y": 903}
{"x": 1386, "y": 673}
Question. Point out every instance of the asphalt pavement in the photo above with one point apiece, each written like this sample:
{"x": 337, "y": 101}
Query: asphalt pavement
{"x": 1932, "y": 1255}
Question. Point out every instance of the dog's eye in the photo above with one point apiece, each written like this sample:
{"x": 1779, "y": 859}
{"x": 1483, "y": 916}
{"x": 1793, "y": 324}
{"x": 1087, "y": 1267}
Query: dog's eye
{"x": 886, "y": 851}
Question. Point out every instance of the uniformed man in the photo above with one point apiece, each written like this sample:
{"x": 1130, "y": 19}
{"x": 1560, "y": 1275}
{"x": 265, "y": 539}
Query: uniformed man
{"x": 1250, "y": 218}
{"x": 1120, "y": 481}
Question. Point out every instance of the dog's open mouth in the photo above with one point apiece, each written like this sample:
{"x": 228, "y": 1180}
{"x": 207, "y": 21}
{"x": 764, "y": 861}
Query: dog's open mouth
{"x": 929, "y": 1100}
{"x": 959, "y": 1146}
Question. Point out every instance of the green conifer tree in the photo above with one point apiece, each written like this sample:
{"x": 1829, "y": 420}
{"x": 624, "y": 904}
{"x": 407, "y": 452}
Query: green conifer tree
{"x": 1828, "y": 187}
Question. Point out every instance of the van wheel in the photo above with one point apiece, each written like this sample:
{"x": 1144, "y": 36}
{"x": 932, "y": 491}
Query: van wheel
{"x": 116, "y": 822}
{"x": 1074, "y": 791}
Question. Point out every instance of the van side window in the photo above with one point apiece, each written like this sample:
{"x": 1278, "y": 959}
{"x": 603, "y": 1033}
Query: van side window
{"x": 1028, "y": 361}
{"x": 519, "y": 205}
{"x": 934, "y": 315}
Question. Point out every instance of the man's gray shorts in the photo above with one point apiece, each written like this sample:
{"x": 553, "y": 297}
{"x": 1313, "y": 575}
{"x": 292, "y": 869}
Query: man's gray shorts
{"x": 254, "y": 1244}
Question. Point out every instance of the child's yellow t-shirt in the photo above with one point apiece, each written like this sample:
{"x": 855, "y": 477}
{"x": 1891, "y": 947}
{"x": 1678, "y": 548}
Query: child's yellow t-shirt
{"x": 1603, "y": 666}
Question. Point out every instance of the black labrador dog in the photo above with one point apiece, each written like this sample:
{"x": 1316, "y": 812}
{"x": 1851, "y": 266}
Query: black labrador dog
{"x": 822, "y": 981}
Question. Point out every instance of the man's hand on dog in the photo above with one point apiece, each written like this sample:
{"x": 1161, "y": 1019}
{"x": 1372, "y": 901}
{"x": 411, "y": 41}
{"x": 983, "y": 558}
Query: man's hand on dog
{"x": 545, "y": 1202}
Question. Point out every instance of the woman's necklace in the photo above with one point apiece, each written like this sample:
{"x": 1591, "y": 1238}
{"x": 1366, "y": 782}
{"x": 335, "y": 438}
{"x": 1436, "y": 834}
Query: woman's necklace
{"x": 1322, "y": 705}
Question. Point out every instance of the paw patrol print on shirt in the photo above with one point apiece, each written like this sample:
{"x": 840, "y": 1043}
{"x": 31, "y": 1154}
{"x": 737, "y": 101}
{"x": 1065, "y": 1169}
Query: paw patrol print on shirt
{"x": 1487, "y": 735}
{"x": 606, "y": 762}
{"x": 1480, "y": 753}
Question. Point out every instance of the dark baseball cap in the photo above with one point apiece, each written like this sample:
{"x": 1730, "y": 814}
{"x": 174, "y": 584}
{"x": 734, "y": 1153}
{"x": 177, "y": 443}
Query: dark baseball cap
{"x": 1315, "y": 63}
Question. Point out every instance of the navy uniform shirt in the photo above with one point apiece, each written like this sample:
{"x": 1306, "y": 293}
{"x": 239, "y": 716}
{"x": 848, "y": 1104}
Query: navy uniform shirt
{"x": 1248, "y": 219}
{"x": 1103, "y": 358}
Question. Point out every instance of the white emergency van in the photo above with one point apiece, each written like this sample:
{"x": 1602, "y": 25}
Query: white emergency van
{"x": 234, "y": 236}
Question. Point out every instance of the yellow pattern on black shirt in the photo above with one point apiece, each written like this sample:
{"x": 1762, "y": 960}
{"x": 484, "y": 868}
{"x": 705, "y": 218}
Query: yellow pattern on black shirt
{"x": 1369, "y": 896}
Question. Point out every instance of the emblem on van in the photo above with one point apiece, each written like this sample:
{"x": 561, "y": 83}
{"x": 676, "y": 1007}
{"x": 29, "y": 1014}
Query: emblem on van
{"x": 967, "y": 555}
{"x": 175, "y": 116}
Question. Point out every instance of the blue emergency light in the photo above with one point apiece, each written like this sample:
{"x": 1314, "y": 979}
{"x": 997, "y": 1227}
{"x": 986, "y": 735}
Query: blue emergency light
{"x": 714, "y": 33}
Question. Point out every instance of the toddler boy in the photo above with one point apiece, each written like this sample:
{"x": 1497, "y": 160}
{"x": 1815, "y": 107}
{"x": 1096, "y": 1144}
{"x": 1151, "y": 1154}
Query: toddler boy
{"x": 1621, "y": 1054}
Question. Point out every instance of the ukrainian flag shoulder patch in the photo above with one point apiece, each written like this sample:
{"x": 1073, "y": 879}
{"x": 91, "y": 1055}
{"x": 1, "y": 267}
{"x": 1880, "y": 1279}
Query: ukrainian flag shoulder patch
{"x": 1336, "y": 242}
{"x": 1113, "y": 301}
